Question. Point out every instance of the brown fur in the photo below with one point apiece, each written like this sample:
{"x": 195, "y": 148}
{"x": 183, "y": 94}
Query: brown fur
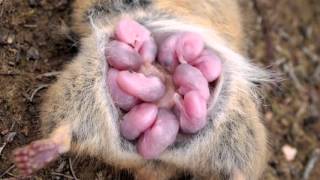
{"x": 232, "y": 145}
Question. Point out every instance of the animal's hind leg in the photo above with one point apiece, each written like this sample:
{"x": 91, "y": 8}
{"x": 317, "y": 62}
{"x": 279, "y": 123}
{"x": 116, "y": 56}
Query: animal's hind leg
{"x": 39, "y": 153}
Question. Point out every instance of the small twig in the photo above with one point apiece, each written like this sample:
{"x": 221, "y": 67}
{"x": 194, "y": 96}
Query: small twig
{"x": 313, "y": 56}
{"x": 9, "y": 74}
{"x": 294, "y": 77}
{"x": 2, "y": 147}
{"x": 266, "y": 29}
{"x": 1, "y": 8}
{"x": 60, "y": 174}
{"x": 13, "y": 175}
{"x": 71, "y": 169}
{"x": 37, "y": 90}
{"x": 8, "y": 170}
{"x": 12, "y": 125}
{"x": 311, "y": 163}
{"x": 30, "y": 25}
{"x": 8, "y": 138}
{"x": 316, "y": 73}
{"x": 48, "y": 74}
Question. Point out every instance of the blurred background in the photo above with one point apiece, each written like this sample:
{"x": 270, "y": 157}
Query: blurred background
{"x": 283, "y": 35}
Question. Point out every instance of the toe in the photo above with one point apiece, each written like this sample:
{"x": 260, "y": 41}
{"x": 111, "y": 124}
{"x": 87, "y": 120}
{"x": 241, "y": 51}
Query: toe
{"x": 21, "y": 159}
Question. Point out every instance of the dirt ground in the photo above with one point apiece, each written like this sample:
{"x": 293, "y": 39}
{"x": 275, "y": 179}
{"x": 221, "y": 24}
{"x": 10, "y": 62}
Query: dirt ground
{"x": 284, "y": 36}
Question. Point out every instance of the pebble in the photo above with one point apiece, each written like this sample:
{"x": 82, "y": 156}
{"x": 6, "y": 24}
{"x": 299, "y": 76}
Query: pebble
{"x": 289, "y": 152}
{"x": 33, "y": 3}
{"x": 33, "y": 54}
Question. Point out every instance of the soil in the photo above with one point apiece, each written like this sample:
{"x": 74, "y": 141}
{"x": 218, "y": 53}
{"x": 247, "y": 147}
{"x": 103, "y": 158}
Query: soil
{"x": 35, "y": 43}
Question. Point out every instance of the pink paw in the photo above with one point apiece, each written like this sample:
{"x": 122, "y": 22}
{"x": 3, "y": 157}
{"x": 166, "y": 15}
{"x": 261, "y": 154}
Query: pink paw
{"x": 35, "y": 156}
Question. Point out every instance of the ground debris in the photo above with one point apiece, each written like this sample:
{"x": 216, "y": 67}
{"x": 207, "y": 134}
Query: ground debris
{"x": 34, "y": 3}
{"x": 8, "y": 138}
{"x": 289, "y": 152}
{"x": 33, "y": 54}
{"x": 315, "y": 155}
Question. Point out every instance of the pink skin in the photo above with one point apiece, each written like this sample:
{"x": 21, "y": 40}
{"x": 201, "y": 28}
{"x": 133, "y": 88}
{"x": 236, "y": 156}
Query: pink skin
{"x": 189, "y": 78}
{"x": 191, "y": 68}
{"x": 35, "y": 156}
{"x": 192, "y": 112}
{"x": 148, "y": 89}
{"x": 180, "y": 47}
{"x": 189, "y": 46}
{"x": 167, "y": 56}
{"x": 122, "y": 57}
{"x": 148, "y": 50}
{"x": 210, "y": 65}
{"x": 161, "y": 135}
{"x": 138, "y": 120}
{"x": 120, "y": 98}
{"x": 138, "y": 37}
{"x": 132, "y": 33}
